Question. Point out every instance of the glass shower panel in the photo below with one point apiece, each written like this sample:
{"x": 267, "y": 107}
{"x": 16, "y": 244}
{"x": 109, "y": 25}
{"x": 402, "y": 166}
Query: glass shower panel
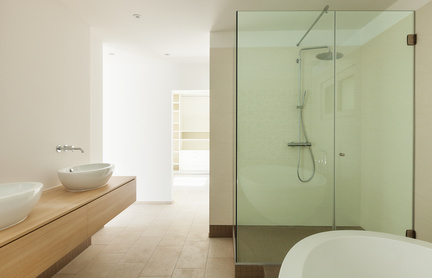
{"x": 324, "y": 128}
{"x": 374, "y": 121}
{"x": 285, "y": 102}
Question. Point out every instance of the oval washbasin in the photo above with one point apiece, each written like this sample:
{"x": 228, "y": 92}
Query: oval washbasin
{"x": 85, "y": 177}
{"x": 17, "y": 200}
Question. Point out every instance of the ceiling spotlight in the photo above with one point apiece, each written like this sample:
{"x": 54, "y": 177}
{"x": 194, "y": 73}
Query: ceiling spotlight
{"x": 136, "y": 16}
{"x": 167, "y": 54}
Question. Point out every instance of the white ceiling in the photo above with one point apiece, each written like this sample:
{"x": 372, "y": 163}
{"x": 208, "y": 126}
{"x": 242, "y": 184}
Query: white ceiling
{"x": 181, "y": 28}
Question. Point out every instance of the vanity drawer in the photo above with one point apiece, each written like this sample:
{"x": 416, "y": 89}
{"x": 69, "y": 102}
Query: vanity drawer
{"x": 33, "y": 253}
{"x": 105, "y": 208}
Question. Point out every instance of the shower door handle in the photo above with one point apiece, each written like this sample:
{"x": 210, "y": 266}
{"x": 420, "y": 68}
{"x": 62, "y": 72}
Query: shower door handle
{"x": 302, "y": 144}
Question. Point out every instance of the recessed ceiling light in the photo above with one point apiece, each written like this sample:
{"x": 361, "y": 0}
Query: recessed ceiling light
{"x": 167, "y": 54}
{"x": 136, "y": 16}
{"x": 111, "y": 53}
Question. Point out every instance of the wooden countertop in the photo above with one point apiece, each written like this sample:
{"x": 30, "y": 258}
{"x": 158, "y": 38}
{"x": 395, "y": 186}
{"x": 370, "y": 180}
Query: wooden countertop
{"x": 53, "y": 204}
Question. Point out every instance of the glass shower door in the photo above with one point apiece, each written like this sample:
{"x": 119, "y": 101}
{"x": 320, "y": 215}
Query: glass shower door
{"x": 284, "y": 141}
{"x": 374, "y": 121}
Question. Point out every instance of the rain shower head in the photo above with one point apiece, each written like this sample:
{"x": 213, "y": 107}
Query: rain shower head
{"x": 327, "y": 56}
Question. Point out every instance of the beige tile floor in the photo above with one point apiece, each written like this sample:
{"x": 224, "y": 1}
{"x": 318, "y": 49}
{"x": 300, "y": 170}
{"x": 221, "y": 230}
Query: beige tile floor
{"x": 157, "y": 241}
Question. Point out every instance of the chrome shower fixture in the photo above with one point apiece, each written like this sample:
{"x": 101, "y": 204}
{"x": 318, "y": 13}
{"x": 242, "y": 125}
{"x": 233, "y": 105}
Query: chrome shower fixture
{"x": 313, "y": 24}
{"x": 328, "y": 56}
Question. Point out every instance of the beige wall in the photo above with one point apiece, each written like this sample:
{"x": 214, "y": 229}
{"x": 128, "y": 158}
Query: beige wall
{"x": 423, "y": 127}
{"x": 222, "y": 129}
{"x": 96, "y": 98}
{"x": 44, "y": 90}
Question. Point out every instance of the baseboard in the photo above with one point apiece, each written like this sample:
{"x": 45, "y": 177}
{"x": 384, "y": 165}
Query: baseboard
{"x": 221, "y": 231}
{"x": 249, "y": 271}
{"x": 155, "y": 202}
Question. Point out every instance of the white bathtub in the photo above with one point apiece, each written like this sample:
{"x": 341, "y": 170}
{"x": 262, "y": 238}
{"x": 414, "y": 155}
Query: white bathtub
{"x": 274, "y": 193}
{"x": 358, "y": 254}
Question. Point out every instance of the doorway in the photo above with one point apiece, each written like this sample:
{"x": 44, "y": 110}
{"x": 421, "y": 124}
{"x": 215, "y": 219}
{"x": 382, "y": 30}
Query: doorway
{"x": 190, "y": 137}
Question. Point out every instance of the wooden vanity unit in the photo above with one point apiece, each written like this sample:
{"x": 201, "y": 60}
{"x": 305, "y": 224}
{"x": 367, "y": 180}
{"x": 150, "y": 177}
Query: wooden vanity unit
{"x": 61, "y": 224}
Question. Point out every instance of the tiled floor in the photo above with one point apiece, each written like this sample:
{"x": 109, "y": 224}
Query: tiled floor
{"x": 157, "y": 241}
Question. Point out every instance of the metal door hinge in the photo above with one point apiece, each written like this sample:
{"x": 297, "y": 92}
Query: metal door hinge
{"x": 410, "y": 233}
{"x": 412, "y": 39}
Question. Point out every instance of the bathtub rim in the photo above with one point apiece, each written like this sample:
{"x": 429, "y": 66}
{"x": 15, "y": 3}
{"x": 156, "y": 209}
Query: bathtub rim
{"x": 293, "y": 263}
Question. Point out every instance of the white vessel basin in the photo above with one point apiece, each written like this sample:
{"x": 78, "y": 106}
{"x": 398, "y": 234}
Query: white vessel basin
{"x": 85, "y": 177}
{"x": 17, "y": 200}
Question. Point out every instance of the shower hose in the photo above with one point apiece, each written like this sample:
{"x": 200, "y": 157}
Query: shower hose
{"x": 302, "y": 131}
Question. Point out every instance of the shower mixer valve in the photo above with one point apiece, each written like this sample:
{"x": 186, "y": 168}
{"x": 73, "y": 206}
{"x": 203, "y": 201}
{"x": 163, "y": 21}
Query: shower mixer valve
{"x": 303, "y": 144}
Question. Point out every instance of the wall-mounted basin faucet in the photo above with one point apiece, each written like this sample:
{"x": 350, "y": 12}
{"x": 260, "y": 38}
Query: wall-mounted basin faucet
{"x": 66, "y": 148}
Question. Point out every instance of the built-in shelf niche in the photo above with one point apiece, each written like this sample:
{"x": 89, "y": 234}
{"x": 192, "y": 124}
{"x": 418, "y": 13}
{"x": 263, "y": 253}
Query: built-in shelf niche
{"x": 191, "y": 135}
{"x": 195, "y": 145}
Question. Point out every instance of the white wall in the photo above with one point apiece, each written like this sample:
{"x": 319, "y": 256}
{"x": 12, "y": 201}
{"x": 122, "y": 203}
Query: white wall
{"x": 44, "y": 90}
{"x": 137, "y": 119}
{"x": 137, "y": 98}
{"x": 192, "y": 76}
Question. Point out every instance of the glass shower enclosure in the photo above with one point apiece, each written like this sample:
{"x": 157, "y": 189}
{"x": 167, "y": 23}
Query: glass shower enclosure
{"x": 325, "y": 103}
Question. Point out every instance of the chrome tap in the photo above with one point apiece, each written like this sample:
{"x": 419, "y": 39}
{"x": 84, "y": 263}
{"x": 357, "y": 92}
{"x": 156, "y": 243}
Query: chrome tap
{"x": 66, "y": 148}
